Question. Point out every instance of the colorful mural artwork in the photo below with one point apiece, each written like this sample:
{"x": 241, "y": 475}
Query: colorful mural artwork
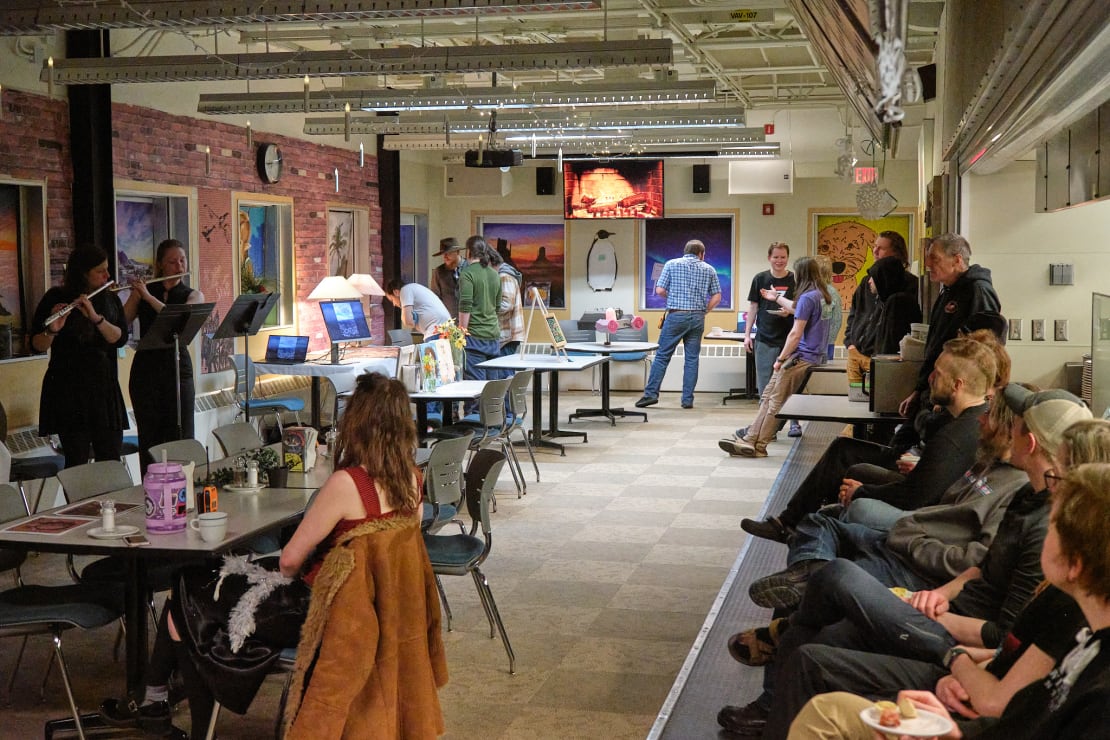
{"x": 666, "y": 239}
{"x": 537, "y": 249}
{"x": 846, "y": 239}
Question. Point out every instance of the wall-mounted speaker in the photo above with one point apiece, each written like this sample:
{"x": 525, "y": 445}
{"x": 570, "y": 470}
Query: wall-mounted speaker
{"x": 545, "y": 181}
{"x": 928, "y": 74}
{"x": 701, "y": 178}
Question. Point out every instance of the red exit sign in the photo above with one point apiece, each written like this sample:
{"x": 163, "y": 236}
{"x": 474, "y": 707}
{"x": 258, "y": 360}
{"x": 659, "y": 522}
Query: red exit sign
{"x": 866, "y": 175}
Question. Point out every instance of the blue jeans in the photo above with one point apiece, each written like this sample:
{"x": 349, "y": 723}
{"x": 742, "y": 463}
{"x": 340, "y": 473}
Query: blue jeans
{"x": 480, "y": 350}
{"x": 680, "y": 326}
{"x": 765, "y": 356}
{"x": 871, "y": 512}
{"x": 844, "y": 606}
{"x": 822, "y": 537}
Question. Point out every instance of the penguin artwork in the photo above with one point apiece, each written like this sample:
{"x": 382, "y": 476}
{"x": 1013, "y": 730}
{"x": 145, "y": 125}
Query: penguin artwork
{"x": 601, "y": 263}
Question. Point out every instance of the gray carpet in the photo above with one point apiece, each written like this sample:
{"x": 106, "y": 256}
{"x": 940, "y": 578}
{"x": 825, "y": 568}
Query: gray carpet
{"x": 710, "y": 677}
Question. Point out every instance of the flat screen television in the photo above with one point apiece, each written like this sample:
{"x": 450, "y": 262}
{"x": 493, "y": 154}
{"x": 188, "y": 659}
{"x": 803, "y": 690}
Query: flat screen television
{"x": 613, "y": 188}
{"x": 345, "y": 320}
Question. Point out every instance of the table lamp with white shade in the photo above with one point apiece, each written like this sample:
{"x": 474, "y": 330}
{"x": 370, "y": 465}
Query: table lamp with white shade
{"x": 341, "y": 306}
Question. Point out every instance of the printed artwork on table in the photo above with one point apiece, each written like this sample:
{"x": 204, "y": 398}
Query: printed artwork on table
{"x": 52, "y": 525}
{"x": 91, "y": 509}
{"x": 429, "y": 369}
{"x": 445, "y": 361}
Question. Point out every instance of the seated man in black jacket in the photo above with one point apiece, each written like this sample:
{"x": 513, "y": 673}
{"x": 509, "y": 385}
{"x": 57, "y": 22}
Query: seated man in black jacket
{"x": 964, "y": 374}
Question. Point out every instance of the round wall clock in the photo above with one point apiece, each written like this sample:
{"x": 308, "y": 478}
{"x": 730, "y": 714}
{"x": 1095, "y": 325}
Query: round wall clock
{"x": 270, "y": 162}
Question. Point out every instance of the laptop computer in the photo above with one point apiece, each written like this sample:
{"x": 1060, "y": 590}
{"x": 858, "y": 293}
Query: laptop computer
{"x": 285, "y": 349}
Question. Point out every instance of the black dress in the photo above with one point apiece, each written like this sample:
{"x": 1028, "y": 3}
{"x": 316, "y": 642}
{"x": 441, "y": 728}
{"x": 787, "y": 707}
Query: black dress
{"x": 81, "y": 400}
{"x": 152, "y": 380}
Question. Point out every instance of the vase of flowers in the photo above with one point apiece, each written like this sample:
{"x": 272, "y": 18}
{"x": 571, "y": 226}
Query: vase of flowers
{"x": 456, "y": 335}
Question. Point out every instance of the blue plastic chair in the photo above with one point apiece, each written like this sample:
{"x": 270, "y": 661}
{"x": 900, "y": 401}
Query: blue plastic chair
{"x": 244, "y": 389}
{"x": 633, "y": 335}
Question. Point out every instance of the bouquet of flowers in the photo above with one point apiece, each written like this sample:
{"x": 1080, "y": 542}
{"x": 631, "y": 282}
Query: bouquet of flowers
{"x": 453, "y": 333}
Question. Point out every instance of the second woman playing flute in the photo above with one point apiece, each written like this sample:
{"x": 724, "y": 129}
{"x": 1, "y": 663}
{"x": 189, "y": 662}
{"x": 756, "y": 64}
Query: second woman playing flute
{"x": 152, "y": 376}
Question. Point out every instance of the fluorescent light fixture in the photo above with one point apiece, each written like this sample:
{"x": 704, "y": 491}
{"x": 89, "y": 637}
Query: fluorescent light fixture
{"x": 334, "y": 288}
{"x": 408, "y": 60}
{"x": 46, "y": 16}
{"x": 365, "y": 284}
{"x": 598, "y": 120}
{"x": 469, "y": 98}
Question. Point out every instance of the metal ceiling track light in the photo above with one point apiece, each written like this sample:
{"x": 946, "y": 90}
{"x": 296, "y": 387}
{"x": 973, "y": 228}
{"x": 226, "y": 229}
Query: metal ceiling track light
{"x": 32, "y": 17}
{"x": 422, "y": 60}
{"x": 601, "y": 120}
{"x": 486, "y": 98}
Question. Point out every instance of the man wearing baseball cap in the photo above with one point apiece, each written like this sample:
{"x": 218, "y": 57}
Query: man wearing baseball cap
{"x": 445, "y": 278}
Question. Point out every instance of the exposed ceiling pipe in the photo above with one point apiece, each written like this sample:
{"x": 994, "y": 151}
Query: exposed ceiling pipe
{"x": 724, "y": 80}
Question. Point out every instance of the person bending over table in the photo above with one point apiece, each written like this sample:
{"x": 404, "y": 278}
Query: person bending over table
{"x": 1073, "y": 701}
{"x": 355, "y": 584}
{"x": 152, "y": 373}
{"x": 805, "y": 347}
{"x": 81, "y": 400}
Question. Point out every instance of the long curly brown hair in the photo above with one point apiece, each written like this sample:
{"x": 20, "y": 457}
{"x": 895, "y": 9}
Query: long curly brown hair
{"x": 377, "y": 432}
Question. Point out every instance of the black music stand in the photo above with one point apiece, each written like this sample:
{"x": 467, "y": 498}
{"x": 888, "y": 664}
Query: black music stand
{"x": 245, "y": 318}
{"x": 176, "y": 324}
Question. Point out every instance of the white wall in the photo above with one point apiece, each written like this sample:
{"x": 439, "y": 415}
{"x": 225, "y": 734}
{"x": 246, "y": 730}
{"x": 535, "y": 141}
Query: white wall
{"x": 1018, "y": 245}
{"x": 814, "y": 187}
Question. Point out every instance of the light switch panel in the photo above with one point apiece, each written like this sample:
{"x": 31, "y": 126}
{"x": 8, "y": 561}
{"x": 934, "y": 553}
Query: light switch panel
{"x": 1037, "y": 331}
{"x": 1015, "y": 330}
{"x": 1061, "y": 334}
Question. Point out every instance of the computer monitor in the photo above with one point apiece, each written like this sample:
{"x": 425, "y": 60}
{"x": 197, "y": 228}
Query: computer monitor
{"x": 345, "y": 320}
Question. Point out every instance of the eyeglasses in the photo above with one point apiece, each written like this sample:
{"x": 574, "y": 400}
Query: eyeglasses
{"x": 1051, "y": 480}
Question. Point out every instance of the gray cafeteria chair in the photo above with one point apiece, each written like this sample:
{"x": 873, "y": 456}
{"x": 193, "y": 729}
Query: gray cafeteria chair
{"x": 26, "y": 611}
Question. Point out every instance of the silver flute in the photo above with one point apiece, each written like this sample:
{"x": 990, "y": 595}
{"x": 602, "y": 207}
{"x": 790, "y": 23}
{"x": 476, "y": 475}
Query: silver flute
{"x": 66, "y": 309}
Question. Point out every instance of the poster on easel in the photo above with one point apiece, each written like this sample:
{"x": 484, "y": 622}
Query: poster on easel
{"x": 550, "y": 322}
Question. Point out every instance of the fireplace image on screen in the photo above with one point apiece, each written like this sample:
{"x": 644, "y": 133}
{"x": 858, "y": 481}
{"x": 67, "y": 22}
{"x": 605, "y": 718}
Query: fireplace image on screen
{"x": 613, "y": 189}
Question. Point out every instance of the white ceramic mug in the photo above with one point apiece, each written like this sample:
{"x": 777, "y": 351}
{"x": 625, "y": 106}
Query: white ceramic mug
{"x": 211, "y": 525}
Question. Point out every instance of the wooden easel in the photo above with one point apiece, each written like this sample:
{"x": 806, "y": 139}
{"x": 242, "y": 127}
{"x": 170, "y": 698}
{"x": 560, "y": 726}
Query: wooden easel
{"x": 554, "y": 331}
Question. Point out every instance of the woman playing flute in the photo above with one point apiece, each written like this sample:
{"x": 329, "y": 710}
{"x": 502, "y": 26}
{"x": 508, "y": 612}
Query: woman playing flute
{"x": 81, "y": 400}
{"x": 152, "y": 377}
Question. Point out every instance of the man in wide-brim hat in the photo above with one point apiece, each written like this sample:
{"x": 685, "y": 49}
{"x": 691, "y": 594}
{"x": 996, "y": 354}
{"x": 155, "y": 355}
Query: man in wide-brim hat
{"x": 445, "y": 278}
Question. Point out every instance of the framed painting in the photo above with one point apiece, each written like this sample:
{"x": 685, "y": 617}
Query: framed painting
{"x": 665, "y": 239}
{"x": 341, "y": 237}
{"x": 536, "y": 246}
{"x": 265, "y": 252}
{"x": 847, "y": 238}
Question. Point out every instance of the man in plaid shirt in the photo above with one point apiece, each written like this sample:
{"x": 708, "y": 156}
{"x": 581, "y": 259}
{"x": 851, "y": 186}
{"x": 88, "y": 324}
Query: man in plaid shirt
{"x": 691, "y": 288}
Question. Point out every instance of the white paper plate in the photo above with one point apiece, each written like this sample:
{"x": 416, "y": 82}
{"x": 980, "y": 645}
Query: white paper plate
{"x": 244, "y": 489}
{"x": 925, "y": 724}
{"x": 121, "y": 530}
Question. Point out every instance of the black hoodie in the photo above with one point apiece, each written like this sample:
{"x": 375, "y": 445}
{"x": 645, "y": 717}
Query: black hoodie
{"x": 896, "y": 307}
{"x": 971, "y": 293}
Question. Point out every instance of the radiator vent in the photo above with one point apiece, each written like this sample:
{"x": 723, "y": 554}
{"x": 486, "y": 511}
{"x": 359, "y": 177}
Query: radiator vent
{"x": 25, "y": 440}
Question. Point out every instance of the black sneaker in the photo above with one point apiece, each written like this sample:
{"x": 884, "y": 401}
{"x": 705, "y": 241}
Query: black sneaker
{"x": 646, "y": 401}
{"x": 743, "y": 432}
{"x": 769, "y": 529}
{"x": 784, "y": 590}
{"x": 748, "y": 721}
{"x": 795, "y": 429}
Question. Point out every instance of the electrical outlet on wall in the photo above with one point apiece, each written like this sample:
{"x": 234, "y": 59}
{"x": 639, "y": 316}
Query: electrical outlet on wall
{"x": 1061, "y": 330}
{"x": 1038, "y": 330}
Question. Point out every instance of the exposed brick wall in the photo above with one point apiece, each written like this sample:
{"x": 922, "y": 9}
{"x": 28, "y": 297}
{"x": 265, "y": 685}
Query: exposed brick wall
{"x": 155, "y": 147}
{"x": 34, "y": 145}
